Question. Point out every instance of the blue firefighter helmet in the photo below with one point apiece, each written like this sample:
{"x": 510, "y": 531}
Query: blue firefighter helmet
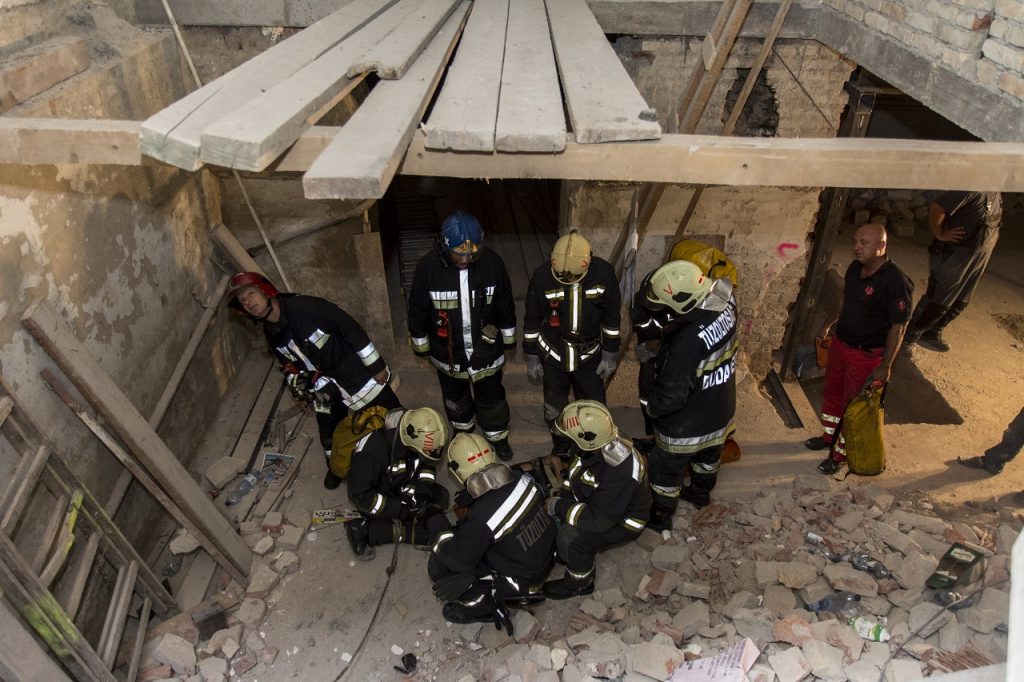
{"x": 462, "y": 238}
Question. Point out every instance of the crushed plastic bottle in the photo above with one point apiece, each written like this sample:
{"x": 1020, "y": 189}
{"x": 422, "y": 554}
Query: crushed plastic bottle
{"x": 814, "y": 539}
{"x": 841, "y": 603}
{"x": 172, "y": 566}
{"x": 243, "y": 488}
{"x": 869, "y": 629}
{"x": 953, "y": 600}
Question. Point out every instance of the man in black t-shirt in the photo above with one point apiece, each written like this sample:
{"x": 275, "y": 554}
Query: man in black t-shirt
{"x": 966, "y": 228}
{"x": 871, "y": 322}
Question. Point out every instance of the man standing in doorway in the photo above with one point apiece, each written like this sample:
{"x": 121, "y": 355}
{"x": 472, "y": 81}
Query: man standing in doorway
{"x": 966, "y": 228}
{"x": 871, "y": 322}
{"x": 462, "y": 318}
{"x": 327, "y": 356}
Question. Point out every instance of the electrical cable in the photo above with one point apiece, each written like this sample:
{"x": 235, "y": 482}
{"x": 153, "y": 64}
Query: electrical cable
{"x": 390, "y": 571}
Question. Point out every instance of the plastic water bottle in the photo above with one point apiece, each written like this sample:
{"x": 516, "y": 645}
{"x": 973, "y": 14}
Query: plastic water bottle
{"x": 869, "y": 629}
{"x": 840, "y": 603}
{"x": 243, "y": 488}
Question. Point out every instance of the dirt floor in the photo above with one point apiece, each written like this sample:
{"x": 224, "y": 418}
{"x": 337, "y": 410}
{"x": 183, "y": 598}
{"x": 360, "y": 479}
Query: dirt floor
{"x": 318, "y": 615}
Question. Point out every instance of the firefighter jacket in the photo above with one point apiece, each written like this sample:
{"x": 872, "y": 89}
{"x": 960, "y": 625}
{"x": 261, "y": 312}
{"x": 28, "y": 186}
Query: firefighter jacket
{"x": 647, "y": 325}
{"x": 693, "y": 402}
{"x": 388, "y": 480}
{"x": 449, "y": 307}
{"x": 597, "y": 496}
{"x": 570, "y": 323}
{"x": 505, "y": 531}
{"x": 315, "y": 336}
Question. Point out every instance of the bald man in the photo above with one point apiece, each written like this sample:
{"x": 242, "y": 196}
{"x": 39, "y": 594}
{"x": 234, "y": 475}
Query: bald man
{"x": 874, "y": 314}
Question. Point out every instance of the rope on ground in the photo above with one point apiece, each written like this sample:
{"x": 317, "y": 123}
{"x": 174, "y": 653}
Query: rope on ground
{"x": 373, "y": 619}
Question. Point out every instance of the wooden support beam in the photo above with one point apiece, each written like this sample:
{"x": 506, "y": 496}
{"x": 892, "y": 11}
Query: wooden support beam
{"x": 46, "y": 141}
{"x": 392, "y": 57}
{"x": 614, "y": 111}
{"x": 256, "y": 134}
{"x": 464, "y": 115}
{"x": 530, "y": 113}
{"x": 360, "y": 162}
{"x": 132, "y": 430}
{"x": 40, "y": 67}
{"x": 173, "y": 134}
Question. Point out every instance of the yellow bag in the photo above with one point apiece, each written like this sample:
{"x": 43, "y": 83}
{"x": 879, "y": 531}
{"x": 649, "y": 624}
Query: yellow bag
{"x": 862, "y": 427}
{"x": 710, "y": 260}
{"x": 348, "y": 432}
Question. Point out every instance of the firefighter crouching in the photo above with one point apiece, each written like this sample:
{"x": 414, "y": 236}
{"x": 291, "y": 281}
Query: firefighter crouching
{"x": 501, "y": 549}
{"x": 462, "y": 318}
{"x": 393, "y": 483}
{"x": 605, "y": 499}
{"x": 693, "y": 401}
{"x": 571, "y": 332}
{"x": 328, "y": 357}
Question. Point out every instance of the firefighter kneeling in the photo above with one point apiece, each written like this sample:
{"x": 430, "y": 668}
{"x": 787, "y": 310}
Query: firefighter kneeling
{"x": 605, "y": 499}
{"x": 502, "y": 548}
{"x": 393, "y": 484}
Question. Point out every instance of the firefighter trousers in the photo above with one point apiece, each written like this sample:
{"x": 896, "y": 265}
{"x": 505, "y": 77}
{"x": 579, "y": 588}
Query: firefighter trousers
{"x": 483, "y": 401}
{"x": 578, "y": 550}
{"x": 667, "y": 472}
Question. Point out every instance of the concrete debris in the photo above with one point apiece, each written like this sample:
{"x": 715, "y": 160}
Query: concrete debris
{"x": 176, "y": 652}
{"x": 208, "y": 667}
{"x": 595, "y": 609}
{"x": 789, "y": 665}
{"x": 245, "y": 662}
{"x": 826, "y": 661}
{"x": 250, "y": 613}
{"x": 913, "y": 571}
{"x": 655, "y": 660}
{"x": 263, "y": 545}
{"x": 756, "y": 624}
{"x": 183, "y": 542}
{"x": 262, "y": 580}
{"x": 796, "y": 575}
{"x": 287, "y": 562}
{"x": 290, "y": 537}
{"x": 268, "y": 655}
{"x": 792, "y": 630}
{"x": 669, "y": 557}
{"x": 649, "y": 539}
{"x": 903, "y": 670}
{"x": 216, "y": 643}
{"x": 254, "y": 642}
{"x": 224, "y": 470}
{"x": 844, "y": 577}
{"x": 524, "y": 626}
{"x": 926, "y": 618}
{"x": 695, "y": 590}
{"x": 692, "y": 619}
{"x": 612, "y": 597}
{"x": 273, "y": 522}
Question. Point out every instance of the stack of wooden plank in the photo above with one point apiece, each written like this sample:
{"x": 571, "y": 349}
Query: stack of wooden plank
{"x": 503, "y": 92}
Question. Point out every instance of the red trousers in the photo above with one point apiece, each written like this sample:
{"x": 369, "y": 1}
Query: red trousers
{"x": 847, "y": 370}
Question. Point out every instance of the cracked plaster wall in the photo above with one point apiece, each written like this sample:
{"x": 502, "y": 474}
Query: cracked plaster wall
{"x": 123, "y": 255}
{"x": 765, "y": 228}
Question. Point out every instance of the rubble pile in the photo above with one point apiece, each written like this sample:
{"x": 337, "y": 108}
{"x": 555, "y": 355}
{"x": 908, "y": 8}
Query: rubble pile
{"x": 745, "y": 569}
{"x": 904, "y": 210}
{"x": 230, "y": 652}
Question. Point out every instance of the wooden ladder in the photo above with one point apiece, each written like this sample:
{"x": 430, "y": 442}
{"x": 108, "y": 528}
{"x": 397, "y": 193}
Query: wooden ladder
{"x": 34, "y": 551}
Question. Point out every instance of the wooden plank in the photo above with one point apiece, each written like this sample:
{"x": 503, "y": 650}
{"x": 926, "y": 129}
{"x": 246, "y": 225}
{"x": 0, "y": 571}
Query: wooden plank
{"x": 140, "y": 639}
{"x": 22, "y": 658}
{"x": 361, "y": 161}
{"x": 755, "y": 68}
{"x": 6, "y": 405}
{"x": 65, "y": 540}
{"x": 80, "y": 576}
{"x": 17, "y": 494}
{"x": 40, "y": 67}
{"x": 464, "y": 115}
{"x": 113, "y": 626}
{"x": 131, "y": 428}
{"x": 530, "y": 114}
{"x": 173, "y": 134}
{"x": 44, "y": 141}
{"x": 253, "y": 136}
{"x": 391, "y": 58}
{"x": 200, "y": 532}
{"x": 603, "y": 102}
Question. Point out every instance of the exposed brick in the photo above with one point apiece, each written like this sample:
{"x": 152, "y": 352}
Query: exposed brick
{"x": 1003, "y": 55}
{"x": 959, "y": 37}
{"x": 1011, "y": 83}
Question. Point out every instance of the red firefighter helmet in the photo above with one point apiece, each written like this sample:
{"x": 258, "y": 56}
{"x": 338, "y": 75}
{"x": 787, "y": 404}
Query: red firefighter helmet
{"x": 249, "y": 279}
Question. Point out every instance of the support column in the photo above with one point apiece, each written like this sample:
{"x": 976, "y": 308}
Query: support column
{"x": 369, "y": 260}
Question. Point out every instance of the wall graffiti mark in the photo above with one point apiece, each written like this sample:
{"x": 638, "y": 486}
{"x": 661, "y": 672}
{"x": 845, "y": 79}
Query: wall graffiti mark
{"x": 783, "y": 249}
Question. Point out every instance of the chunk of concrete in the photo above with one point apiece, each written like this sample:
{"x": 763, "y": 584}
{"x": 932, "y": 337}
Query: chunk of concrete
{"x": 524, "y": 626}
{"x": 224, "y": 470}
{"x": 796, "y": 575}
{"x": 183, "y": 542}
{"x": 815, "y": 592}
{"x": 793, "y": 630}
{"x": 692, "y": 619}
{"x": 696, "y": 590}
{"x": 844, "y": 577}
{"x": 245, "y": 662}
{"x": 927, "y": 618}
{"x": 272, "y": 522}
{"x": 766, "y": 573}
{"x": 826, "y": 661}
{"x": 216, "y": 642}
{"x": 263, "y": 545}
{"x": 655, "y": 660}
{"x": 250, "y": 613}
{"x": 790, "y": 665}
{"x": 286, "y": 563}
{"x": 903, "y": 670}
{"x": 213, "y": 665}
{"x": 262, "y": 579}
{"x": 290, "y": 538}
{"x": 649, "y": 539}
{"x": 176, "y": 652}
{"x": 668, "y": 557}
{"x": 779, "y": 600}
{"x": 754, "y": 623}
{"x": 914, "y": 570}
{"x": 862, "y": 671}
{"x": 611, "y": 597}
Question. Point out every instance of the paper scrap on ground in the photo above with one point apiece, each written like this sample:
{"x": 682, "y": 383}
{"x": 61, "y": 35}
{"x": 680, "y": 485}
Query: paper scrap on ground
{"x": 729, "y": 666}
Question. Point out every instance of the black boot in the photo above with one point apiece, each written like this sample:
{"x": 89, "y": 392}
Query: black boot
{"x": 695, "y": 497}
{"x": 661, "y": 519}
{"x": 560, "y": 589}
{"x": 331, "y": 482}
{"x": 490, "y": 610}
{"x": 358, "y": 533}
{"x": 698, "y": 493}
{"x": 502, "y": 449}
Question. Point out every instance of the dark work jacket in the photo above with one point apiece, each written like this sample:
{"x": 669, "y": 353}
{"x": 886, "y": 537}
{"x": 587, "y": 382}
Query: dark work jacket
{"x": 317, "y": 336}
{"x": 387, "y": 479}
{"x": 505, "y": 531}
{"x": 693, "y": 402}
{"x": 585, "y": 314}
{"x": 598, "y": 496}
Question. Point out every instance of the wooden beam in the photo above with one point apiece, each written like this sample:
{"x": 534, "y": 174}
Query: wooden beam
{"x": 603, "y": 102}
{"x": 46, "y": 141}
{"x": 40, "y": 67}
{"x": 132, "y": 430}
{"x": 360, "y": 162}
{"x": 463, "y": 118}
{"x": 253, "y": 136}
{"x": 530, "y": 113}
{"x": 755, "y": 68}
{"x": 391, "y": 58}
{"x": 173, "y": 134}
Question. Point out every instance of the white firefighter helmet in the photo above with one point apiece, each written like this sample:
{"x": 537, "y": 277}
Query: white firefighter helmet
{"x": 588, "y": 423}
{"x": 678, "y": 285}
{"x": 425, "y": 431}
{"x": 468, "y": 454}
{"x": 570, "y": 258}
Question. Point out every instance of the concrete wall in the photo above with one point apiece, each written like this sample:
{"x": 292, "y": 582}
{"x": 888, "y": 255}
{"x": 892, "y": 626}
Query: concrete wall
{"x": 982, "y": 39}
{"x": 122, "y": 253}
{"x": 765, "y": 229}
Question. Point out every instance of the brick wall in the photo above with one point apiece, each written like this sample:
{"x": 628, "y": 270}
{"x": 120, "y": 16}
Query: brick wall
{"x": 981, "y": 39}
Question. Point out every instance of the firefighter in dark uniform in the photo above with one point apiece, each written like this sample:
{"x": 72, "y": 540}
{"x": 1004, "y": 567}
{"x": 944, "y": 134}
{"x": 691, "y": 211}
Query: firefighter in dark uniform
{"x": 501, "y": 549}
{"x": 326, "y": 354}
{"x": 605, "y": 499}
{"x": 693, "y": 402}
{"x": 571, "y": 332}
{"x": 462, "y": 318}
{"x": 393, "y": 483}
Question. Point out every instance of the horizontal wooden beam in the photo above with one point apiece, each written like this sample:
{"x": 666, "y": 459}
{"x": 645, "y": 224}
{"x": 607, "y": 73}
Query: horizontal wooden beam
{"x": 676, "y": 159}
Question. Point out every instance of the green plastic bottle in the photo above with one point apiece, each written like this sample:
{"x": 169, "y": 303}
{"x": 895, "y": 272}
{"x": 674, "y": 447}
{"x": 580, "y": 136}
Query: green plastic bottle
{"x": 869, "y": 629}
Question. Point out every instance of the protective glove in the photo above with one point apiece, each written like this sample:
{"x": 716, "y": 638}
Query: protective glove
{"x": 609, "y": 361}
{"x": 451, "y": 587}
{"x": 300, "y": 385}
{"x": 645, "y": 353}
{"x": 534, "y": 368}
{"x": 488, "y": 350}
{"x": 549, "y": 506}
